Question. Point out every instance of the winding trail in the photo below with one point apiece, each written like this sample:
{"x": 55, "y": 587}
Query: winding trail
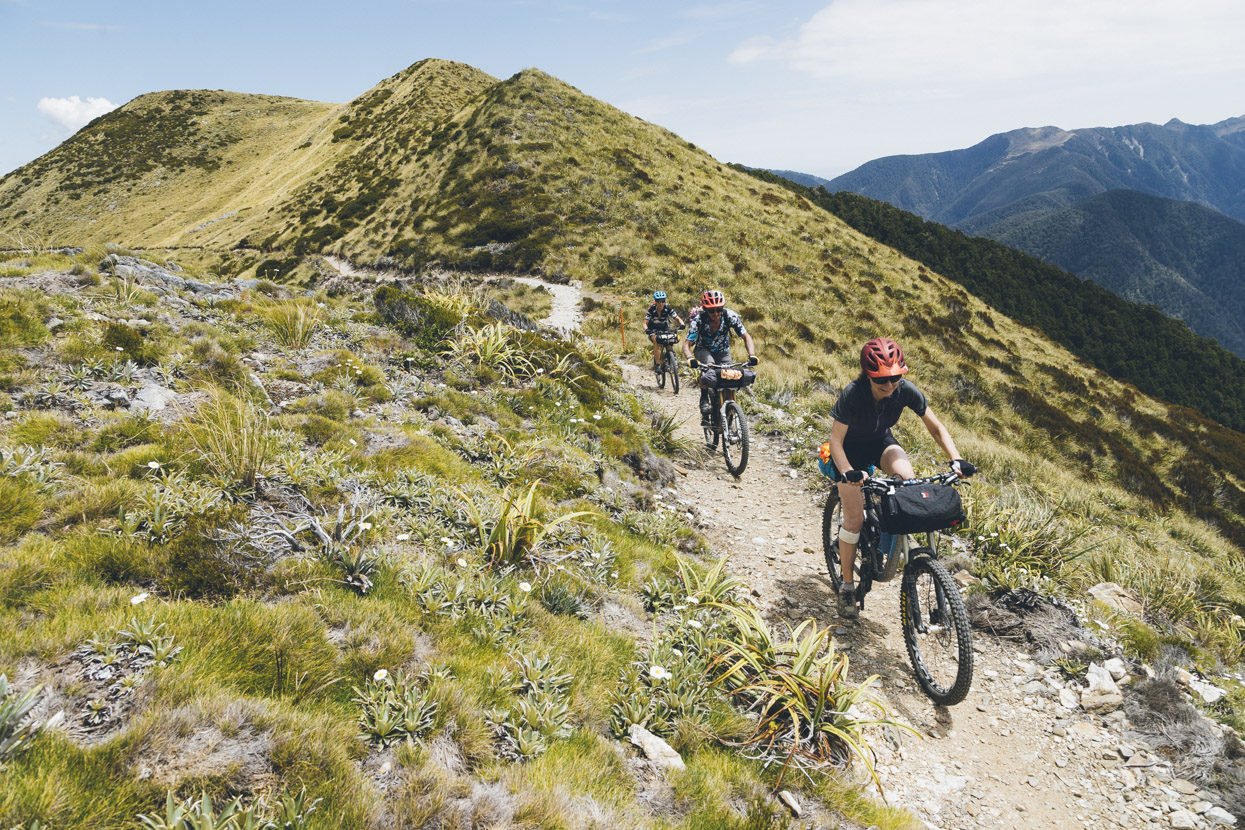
{"x": 566, "y": 315}
{"x": 1010, "y": 756}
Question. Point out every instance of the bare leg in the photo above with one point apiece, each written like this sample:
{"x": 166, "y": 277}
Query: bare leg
{"x": 895, "y": 462}
{"x": 853, "y": 502}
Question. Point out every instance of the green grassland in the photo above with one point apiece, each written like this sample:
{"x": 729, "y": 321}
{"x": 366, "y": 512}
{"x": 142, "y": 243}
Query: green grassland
{"x": 1084, "y": 477}
{"x": 385, "y": 591}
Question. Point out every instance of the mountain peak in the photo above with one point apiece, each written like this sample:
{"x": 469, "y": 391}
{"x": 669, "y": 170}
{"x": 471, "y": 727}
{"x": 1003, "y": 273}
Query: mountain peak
{"x": 1035, "y": 139}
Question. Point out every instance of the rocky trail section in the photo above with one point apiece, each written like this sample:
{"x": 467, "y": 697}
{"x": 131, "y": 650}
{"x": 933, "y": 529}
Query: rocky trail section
{"x": 1021, "y": 752}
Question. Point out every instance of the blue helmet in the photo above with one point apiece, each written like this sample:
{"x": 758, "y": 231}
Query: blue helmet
{"x": 659, "y": 295}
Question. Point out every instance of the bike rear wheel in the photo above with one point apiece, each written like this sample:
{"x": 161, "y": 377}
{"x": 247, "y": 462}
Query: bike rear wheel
{"x": 672, "y": 367}
{"x": 935, "y": 630}
{"x": 714, "y": 429}
{"x": 735, "y": 438}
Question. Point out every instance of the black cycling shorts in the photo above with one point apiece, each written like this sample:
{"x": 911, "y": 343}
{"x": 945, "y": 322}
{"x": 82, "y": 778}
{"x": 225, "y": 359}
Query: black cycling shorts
{"x": 864, "y": 455}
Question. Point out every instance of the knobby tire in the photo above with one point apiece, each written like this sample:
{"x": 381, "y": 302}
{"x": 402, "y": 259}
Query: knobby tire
{"x": 923, "y": 580}
{"x": 734, "y": 424}
{"x": 672, "y": 368}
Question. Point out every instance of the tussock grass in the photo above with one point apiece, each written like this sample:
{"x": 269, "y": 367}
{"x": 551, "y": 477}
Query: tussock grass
{"x": 292, "y": 322}
{"x": 232, "y": 438}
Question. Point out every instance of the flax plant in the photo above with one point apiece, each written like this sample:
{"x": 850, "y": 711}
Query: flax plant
{"x": 514, "y": 537}
{"x": 799, "y": 691}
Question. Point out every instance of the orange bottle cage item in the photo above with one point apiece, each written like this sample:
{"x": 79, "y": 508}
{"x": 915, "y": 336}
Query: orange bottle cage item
{"x": 824, "y": 452}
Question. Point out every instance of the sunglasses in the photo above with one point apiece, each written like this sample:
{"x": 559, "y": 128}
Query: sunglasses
{"x": 883, "y": 381}
{"x": 714, "y": 311}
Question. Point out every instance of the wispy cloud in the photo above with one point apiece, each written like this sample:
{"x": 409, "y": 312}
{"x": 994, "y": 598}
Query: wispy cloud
{"x": 72, "y": 112}
{"x": 950, "y": 42}
{"x": 83, "y": 27}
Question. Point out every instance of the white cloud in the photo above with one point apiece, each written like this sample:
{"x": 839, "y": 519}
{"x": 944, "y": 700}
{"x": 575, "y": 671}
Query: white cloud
{"x": 72, "y": 112}
{"x": 938, "y": 43}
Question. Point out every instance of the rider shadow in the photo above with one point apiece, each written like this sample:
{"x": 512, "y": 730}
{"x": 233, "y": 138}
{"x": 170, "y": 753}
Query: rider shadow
{"x": 869, "y": 652}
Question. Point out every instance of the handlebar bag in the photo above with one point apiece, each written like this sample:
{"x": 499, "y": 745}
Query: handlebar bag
{"x": 921, "y": 508}
{"x": 667, "y": 338}
{"x": 719, "y": 378}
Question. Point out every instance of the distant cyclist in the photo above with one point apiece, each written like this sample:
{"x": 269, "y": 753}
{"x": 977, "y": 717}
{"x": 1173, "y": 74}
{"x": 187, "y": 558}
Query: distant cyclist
{"x": 657, "y": 320}
{"x": 861, "y": 440}
{"x": 711, "y": 334}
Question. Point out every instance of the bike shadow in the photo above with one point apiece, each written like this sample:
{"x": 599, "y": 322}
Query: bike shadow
{"x": 869, "y": 647}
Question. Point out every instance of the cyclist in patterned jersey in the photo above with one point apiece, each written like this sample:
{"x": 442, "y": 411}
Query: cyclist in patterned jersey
{"x": 861, "y": 440}
{"x": 658, "y": 320}
{"x": 711, "y": 334}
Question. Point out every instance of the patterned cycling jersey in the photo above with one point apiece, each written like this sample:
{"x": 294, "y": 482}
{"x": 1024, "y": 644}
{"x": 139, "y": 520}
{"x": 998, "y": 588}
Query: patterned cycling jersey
{"x": 656, "y": 320}
{"x": 704, "y": 337}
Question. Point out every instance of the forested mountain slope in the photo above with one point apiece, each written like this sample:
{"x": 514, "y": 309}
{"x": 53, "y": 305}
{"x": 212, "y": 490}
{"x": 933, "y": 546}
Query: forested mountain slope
{"x": 1183, "y": 257}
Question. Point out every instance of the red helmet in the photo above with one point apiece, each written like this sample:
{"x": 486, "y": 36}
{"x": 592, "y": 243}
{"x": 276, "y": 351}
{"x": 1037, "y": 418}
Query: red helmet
{"x": 882, "y": 358}
{"x": 712, "y": 299}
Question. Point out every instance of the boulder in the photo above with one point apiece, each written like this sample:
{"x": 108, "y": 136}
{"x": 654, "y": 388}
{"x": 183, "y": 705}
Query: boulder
{"x": 654, "y": 748}
{"x": 1117, "y": 598}
{"x": 153, "y": 397}
{"x": 1102, "y": 695}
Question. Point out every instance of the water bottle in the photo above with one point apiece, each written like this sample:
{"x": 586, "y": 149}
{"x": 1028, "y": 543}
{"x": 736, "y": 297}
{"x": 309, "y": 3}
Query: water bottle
{"x": 886, "y": 545}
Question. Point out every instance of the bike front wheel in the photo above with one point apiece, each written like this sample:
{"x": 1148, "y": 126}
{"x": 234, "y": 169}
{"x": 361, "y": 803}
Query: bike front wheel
{"x": 672, "y": 368}
{"x": 734, "y": 438}
{"x": 935, "y": 630}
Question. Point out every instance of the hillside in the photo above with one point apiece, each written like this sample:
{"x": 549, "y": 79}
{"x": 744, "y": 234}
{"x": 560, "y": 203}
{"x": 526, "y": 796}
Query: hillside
{"x": 1184, "y": 258}
{"x": 1136, "y": 343}
{"x": 530, "y": 174}
{"x": 1047, "y": 168}
{"x": 432, "y": 565}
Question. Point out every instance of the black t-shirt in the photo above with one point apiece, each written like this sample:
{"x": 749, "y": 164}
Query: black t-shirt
{"x": 869, "y": 422}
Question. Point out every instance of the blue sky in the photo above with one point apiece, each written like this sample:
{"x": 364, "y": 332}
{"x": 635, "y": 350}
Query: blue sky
{"x": 819, "y": 86}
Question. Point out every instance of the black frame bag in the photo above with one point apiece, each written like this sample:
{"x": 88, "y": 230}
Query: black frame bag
{"x": 720, "y": 377}
{"x": 921, "y": 508}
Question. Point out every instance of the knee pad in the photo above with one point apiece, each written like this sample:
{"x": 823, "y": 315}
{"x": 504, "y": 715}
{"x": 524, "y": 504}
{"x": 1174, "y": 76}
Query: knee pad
{"x": 848, "y": 536}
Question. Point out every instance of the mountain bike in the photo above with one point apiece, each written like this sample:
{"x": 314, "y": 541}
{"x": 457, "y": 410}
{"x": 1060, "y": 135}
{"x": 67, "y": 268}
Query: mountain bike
{"x": 669, "y": 363}
{"x": 729, "y": 424}
{"x": 935, "y": 622}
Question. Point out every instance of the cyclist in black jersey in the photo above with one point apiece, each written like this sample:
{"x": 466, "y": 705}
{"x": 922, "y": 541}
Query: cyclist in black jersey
{"x": 657, "y": 319}
{"x": 861, "y": 440}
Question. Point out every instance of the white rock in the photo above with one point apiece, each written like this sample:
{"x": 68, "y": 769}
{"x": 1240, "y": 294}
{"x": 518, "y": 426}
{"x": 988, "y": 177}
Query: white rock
{"x": 1069, "y": 699}
{"x": 1220, "y": 816}
{"x": 1209, "y": 692}
{"x": 654, "y": 748}
{"x": 1100, "y": 679}
{"x": 1117, "y": 598}
{"x": 1117, "y": 668}
{"x": 787, "y": 798}
{"x": 1183, "y": 820}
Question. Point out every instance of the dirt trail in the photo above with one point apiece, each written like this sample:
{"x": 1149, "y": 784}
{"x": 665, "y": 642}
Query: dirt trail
{"x": 1010, "y": 756}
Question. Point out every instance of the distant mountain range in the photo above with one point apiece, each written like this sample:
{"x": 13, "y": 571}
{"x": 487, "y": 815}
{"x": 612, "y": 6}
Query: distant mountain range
{"x": 1142, "y": 209}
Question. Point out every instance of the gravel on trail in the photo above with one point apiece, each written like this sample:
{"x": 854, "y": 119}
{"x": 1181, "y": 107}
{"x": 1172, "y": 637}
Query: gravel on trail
{"x": 1019, "y": 752}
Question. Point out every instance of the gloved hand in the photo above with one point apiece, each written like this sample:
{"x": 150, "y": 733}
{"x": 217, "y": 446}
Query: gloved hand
{"x": 963, "y": 468}
{"x": 854, "y": 476}
{"x": 752, "y": 360}
{"x": 693, "y": 363}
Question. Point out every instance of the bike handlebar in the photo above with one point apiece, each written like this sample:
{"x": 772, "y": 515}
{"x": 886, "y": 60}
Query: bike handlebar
{"x": 881, "y": 485}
